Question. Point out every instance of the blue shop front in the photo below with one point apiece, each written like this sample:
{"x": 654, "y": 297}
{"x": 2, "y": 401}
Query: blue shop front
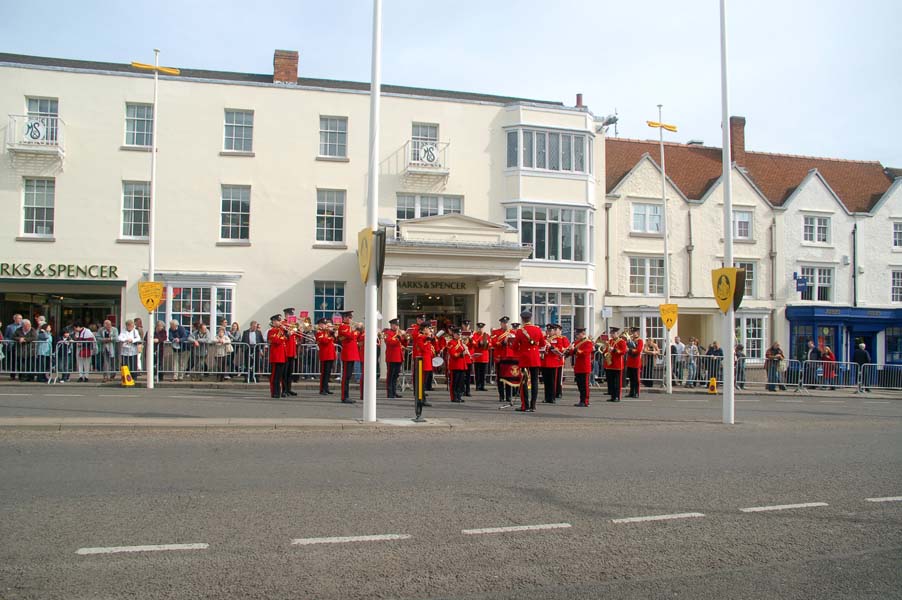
{"x": 843, "y": 328}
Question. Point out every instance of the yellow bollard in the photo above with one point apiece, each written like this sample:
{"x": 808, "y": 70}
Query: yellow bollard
{"x": 127, "y": 380}
{"x": 712, "y": 385}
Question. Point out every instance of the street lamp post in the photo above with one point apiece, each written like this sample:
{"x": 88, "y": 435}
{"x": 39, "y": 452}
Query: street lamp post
{"x": 661, "y": 126}
{"x": 150, "y": 329}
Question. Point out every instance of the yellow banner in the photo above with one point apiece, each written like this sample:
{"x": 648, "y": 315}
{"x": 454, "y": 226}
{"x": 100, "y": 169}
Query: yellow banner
{"x": 723, "y": 282}
{"x": 365, "y": 252}
{"x": 151, "y": 294}
{"x": 669, "y": 315}
{"x": 666, "y": 126}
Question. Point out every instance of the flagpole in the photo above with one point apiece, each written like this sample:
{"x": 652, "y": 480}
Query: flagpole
{"x": 668, "y": 383}
{"x": 151, "y": 328}
{"x": 372, "y": 205}
{"x": 729, "y": 321}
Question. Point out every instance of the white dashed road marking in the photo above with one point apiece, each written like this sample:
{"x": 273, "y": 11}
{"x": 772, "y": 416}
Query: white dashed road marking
{"x": 351, "y": 538}
{"x": 791, "y": 401}
{"x": 14, "y": 394}
{"x": 689, "y": 515}
{"x": 516, "y": 528}
{"x": 832, "y": 401}
{"x": 783, "y": 507}
{"x": 888, "y": 499}
{"x": 64, "y": 395}
{"x": 876, "y": 401}
{"x": 162, "y": 547}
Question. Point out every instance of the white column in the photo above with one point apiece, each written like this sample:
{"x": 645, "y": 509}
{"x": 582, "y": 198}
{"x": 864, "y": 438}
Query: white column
{"x": 512, "y": 298}
{"x": 389, "y": 298}
{"x": 483, "y": 300}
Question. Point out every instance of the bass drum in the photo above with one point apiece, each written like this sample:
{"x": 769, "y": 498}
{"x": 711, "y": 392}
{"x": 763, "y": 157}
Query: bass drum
{"x": 437, "y": 361}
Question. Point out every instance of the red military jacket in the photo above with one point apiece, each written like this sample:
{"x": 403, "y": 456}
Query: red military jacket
{"x": 277, "y": 342}
{"x": 291, "y": 344}
{"x": 529, "y": 340}
{"x": 618, "y": 352}
{"x": 457, "y": 355}
{"x": 395, "y": 342}
{"x": 426, "y": 349}
{"x": 480, "y": 345}
{"x": 326, "y": 343}
{"x": 502, "y": 344}
{"x": 347, "y": 337}
{"x": 467, "y": 340}
{"x": 634, "y": 356}
{"x": 414, "y": 331}
{"x": 584, "y": 352}
{"x": 551, "y": 359}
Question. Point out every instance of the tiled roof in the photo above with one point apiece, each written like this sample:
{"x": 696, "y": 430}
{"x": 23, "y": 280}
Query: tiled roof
{"x": 694, "y": 169}
{"x": 66, "y": 63}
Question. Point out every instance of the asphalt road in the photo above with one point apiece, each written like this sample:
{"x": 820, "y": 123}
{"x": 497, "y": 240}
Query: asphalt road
{"x": 244, "y": 496}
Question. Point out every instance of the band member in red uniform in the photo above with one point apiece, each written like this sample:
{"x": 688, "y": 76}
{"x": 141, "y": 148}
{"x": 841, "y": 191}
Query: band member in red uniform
{"x": 562, "y": 343}
{"x": 552, "y": 356}
{"x": 457, "y": 364}
{"x": 277, "y": 340}
{"x": 501, "y": 341}
{"x": 347, "y": 337}
{"x": 291, "y": 351}
{"x": 618, "y": 349}
{"x": 466, "y": 334}
{"x": 529, "y": 339}
{"x": 583, "y": 351}
{"x": 325, "y": 341}
{"x": 634, "y": 361}
{"x": 479, "y": 348}
{"x": 425, "y": 344}
{"x": 395, "y": 342}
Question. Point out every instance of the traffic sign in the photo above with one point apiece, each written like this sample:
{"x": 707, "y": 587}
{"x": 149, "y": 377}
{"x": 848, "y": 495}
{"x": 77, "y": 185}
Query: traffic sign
{"x": 669, "y": 315}
{"x": 151, "y": 294}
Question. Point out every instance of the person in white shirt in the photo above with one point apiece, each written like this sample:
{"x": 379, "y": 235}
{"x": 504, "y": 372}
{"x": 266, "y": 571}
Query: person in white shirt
{"x": 129, "y": 344}
{"x": 679, "y": 360}
{"x": 84, "y": 350}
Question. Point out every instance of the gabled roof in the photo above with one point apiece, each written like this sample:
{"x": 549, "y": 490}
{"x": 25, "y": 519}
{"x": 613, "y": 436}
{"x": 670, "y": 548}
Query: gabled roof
{"x": 255, "y": 78}
{"x": 694, "y": 169}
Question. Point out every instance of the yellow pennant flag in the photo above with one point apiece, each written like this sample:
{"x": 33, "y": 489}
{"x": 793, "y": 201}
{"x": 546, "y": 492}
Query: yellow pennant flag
{"x": 666, "y": 126}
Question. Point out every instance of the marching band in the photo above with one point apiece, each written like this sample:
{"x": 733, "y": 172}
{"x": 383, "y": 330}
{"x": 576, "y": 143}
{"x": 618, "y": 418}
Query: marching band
{"x": 522, "y": 354}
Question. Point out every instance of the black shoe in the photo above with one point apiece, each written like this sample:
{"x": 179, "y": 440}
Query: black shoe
{"x": 530, "y": 410}
{"x": 349, "y": 402}
{"x": 292, "y": 393}
{"x": 274, "y": 396}
{"x": 580, "y": 404}
{"x": 616, "y": 400}
{"x": 521, "y": 409}
{"x": 330, "y": 393}
{"x": 324, "y": 393}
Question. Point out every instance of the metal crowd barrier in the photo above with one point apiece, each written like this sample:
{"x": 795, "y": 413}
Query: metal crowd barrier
{"x": 881, "y": 377}
{"x": 828, "y": 374}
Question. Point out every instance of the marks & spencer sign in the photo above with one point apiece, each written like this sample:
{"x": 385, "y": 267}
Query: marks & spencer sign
{"x": 59, "y": 271}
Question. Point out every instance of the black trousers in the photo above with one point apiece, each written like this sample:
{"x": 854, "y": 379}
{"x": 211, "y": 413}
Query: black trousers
{"x": 582, "y": 384}
{"x": 276, "y": 377}
{"x": 480, "y": 369}
{"x": 529, "y": 394}
{"x": 458, "y": 384}
{"x": 391, "y": 382}
{"x": 347, "y": 372}
{"x": 427, "y": 381}
{"x": 550, "y": 382}
{"x": 560, "y": 382}
{"x": 325, "y": 372}
{"x": 633, "y": 374}
{"x": 469, "y": 373}
{"x": 505, "y": 392}
{"x": 290, "y": 364}
{"x": 614, "y": 384}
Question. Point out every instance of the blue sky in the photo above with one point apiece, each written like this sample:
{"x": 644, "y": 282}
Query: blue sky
{"x": 811, "y": 77}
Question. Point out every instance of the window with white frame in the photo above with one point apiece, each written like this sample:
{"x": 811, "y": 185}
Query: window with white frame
{"x": 239, "y": 131}
{"x": 647, "y": 275}
{"x": 569, "y": 308}
{"x": 330, "y": 215}
{"x": 135, "y": 209}
{"x": 649, "y": 326}
{"x": 333, "y": 137}
{"x": 235, "y": 213}
{"x": 817, "y": 229}
{"x": 328, "y": 299}
{"x": 647, "y": 218}
{"x": 897, "y": 234}
{"x": 45, "y": 110}
{"x": 560, "y": 234}
{"x": 138, "y": 124}
{"x": 412, "y": 206}
{"x": 750, "y": 281}
{"x": 196, "y": 304}
{"x": 820, "y": 283}
{"x": 40, "y": 198}
{"x": 750, "y": 333}
{"x": 422, "y": 134}
{"x": 896, "y": 292}
{"x": 742, "y": 224}
{"x": 550, "y": 150}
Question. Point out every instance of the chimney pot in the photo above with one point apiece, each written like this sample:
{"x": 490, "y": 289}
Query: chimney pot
{"x": 579, "y": 101}
{"x": 737, "y": 140}
{"x": 285, "y": 67}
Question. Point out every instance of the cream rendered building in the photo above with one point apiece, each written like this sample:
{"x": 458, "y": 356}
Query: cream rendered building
{"x": 489, "y": 202}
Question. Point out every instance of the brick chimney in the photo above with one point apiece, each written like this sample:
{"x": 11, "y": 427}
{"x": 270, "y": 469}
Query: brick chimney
{"x": 737, "y": 140}
{"x": 579, "y": 101}
{"x": 285, "y": 67}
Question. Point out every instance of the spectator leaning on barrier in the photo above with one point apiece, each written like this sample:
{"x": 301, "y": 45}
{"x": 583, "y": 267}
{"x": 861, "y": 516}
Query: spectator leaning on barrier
{"x": 178, "y": 342}
{"x": 222, "y": 350}
{"x": 43, "y": 352}
{"x": 235, "y": 338}
{"x": 108, "y": 336}
{"x": 202, "y": 338}
{"x": 159, "y": 340}
{"x": 130, "y": 343}
{"x": 9, "y": 334}
{"x": 775, "y": 364}
{"x": 715, "y": 368}
{"x": 862, "y": 357}
{"x": 253, "y": 340}
{"x": 811, "y": 358}
{"x": 679, "y": 359}
{"x": 65, "y": 350}
{"x": 739, "y": 360}
{"x": 692, "y": 354}
{"x": 25, "y": 337}
{"x": 84, "y": 350}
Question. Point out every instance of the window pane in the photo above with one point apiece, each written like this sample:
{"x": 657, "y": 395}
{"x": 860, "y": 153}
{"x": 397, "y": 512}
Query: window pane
{"x": 528, "y": 149}
{"x": 512, "y": 144}
{"x": 330, "y": 215}
{"x": 540, "y": 150}
{"x": 579, "y": 159}
{"x": 554, "y": 151}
